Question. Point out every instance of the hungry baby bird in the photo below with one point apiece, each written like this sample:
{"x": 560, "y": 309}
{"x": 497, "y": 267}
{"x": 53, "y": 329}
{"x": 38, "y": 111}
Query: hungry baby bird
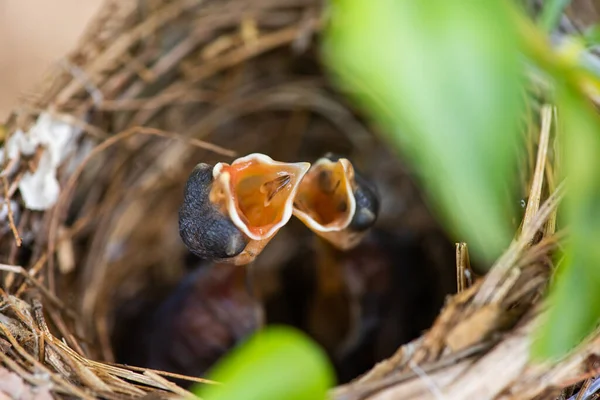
{"x": 231, "y": 211}
{"x": 336, "y": 202}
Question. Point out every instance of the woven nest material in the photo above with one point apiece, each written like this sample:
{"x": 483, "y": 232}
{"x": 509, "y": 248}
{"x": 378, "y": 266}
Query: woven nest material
{"x": 157, "y": 86}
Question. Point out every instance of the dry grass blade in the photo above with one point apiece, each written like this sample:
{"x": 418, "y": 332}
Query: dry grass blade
{"x": 57, "y": 379}
{"x": 262, "y": 44}
{"x": 168, "y": 385}
{"x": 583, "y": 389}
{"x": 67, "y": 190}
{"x": 533, "y": 219}
{"x": 510, "y": 257}
{"x": 96, "y": 376}
{"x": 120, "y": 46}
{"x": 15, "y": 269}
{"x": 535, "y": 193}
{"x": 464, "y": 274}
{"x": 11, "y": 220}
{"x": 466, "y": 323}
{"x": 167, "y": 374}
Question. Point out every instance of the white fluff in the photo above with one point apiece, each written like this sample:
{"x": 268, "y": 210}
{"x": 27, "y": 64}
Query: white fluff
{"x": 40, "y": 189}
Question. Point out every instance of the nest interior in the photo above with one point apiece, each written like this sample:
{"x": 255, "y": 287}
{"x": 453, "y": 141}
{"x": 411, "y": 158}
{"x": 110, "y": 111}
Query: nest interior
{"x": 154, "y": 88}
{"x": 100, "y": 278}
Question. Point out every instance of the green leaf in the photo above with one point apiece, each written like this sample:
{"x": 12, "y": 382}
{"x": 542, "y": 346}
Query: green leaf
{"x": 443, "y": 78}
{"x": 551, "y": 13}
{"x": 574, "y": 300}
{"x": 591, "y": 35}
{"x": 276, "y": 363}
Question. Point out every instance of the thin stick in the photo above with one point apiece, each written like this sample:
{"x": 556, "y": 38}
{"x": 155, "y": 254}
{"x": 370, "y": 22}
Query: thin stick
{"x": 361, "y": 390}
{"x": 17, "y": 269}
{"x": 165, "y": 373}
{"x": 69, "y": 186}
{"x": 77, "y": 226}
{"x": 263, "y": 44}
{"x": 535, "y": 193}
{"x": 169, "y": 385}
{"x": 69, "y": 119}
{"x": 32, "y": 272}
{"x": 123, "y": 43}
{"x": 11, "y": 220}
{"x": 463, "y": 268}
{"x": 39, "y": 317}
{"x": 56, "y": 378}
{"x": 583, "y": 389}
{"x": 185, "y": 95}
{"x": 510, "y": 257}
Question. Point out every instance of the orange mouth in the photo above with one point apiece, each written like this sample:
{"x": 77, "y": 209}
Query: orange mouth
{"x": 325, "y": 200}
{"x": 257, "y": 193}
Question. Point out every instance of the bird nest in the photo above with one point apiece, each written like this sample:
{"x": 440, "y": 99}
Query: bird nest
{"x": 94, "y": 168}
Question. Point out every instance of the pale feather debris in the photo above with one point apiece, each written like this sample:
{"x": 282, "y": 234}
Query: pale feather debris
{"x": 40, "y": 189}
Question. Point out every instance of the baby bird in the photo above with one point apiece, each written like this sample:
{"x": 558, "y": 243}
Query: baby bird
{"x": 336, "y": 202}
{"x": 231, "y": 212}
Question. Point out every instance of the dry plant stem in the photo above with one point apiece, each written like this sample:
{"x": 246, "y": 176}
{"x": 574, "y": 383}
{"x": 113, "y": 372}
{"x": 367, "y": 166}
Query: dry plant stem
{"x": 184, "y": 96}
{"x": 512, "y": 354}
{"x": 83, "y": 373}
{"x": 79, "y": 76}
{"x": 287, "y": 97}
{"x": 551, "y": 179}
{"x": 103, "y": 332}
{"x": 39, "y": 317}
{"x": 464, "y": 380}
{"x": 464, "y": 274}
{"x": 68, "y": 387}
{"x": 95, "y": 375}
{"x": 14, "y": 249}
{"x": 205, "y": 70}
{"x": 583, "y": 389}
{"x": 23, "y": 220}
{"x": 167, "y": 374}
{"x": 90, "y": 129}
{"x": 11, "y": 220}
{"x": 509, "y": 258}
{"x": 32, "y": 272}
{"x": 69, "y": 186}
{"x": 121, "y": 46}
{"x": 170, "y": 60}
{"x": 15, "y": 184}
{"x": 60, "y": 324}
{"x": 60, "y": 207}
{"x": 97, "y": 273}
{"x": 348, "y": 392}
{"x": 51, "y": 296}
{"x": 535, "y": 193}
{"x": 262, "y": 44}
{"x": 169, "y": 385}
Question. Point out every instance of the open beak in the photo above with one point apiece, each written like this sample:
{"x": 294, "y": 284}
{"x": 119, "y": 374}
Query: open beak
{"x": 257, "y": 194}
{"x": 335, "y": 203}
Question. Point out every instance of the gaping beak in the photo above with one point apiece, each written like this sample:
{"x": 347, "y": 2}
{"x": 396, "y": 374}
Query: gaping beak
{"x": 257, "y": 194}
{"x": 336, "y": 203}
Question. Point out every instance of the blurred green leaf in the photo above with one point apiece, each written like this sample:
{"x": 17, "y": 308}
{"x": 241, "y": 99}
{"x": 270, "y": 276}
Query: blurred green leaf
{"x": 591, "y": 36}
{"x": 443, "y": 78}
{"x": 276, "y": 363}
{"x": 574, "y": 297}
{"x": 551, "y": 13}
